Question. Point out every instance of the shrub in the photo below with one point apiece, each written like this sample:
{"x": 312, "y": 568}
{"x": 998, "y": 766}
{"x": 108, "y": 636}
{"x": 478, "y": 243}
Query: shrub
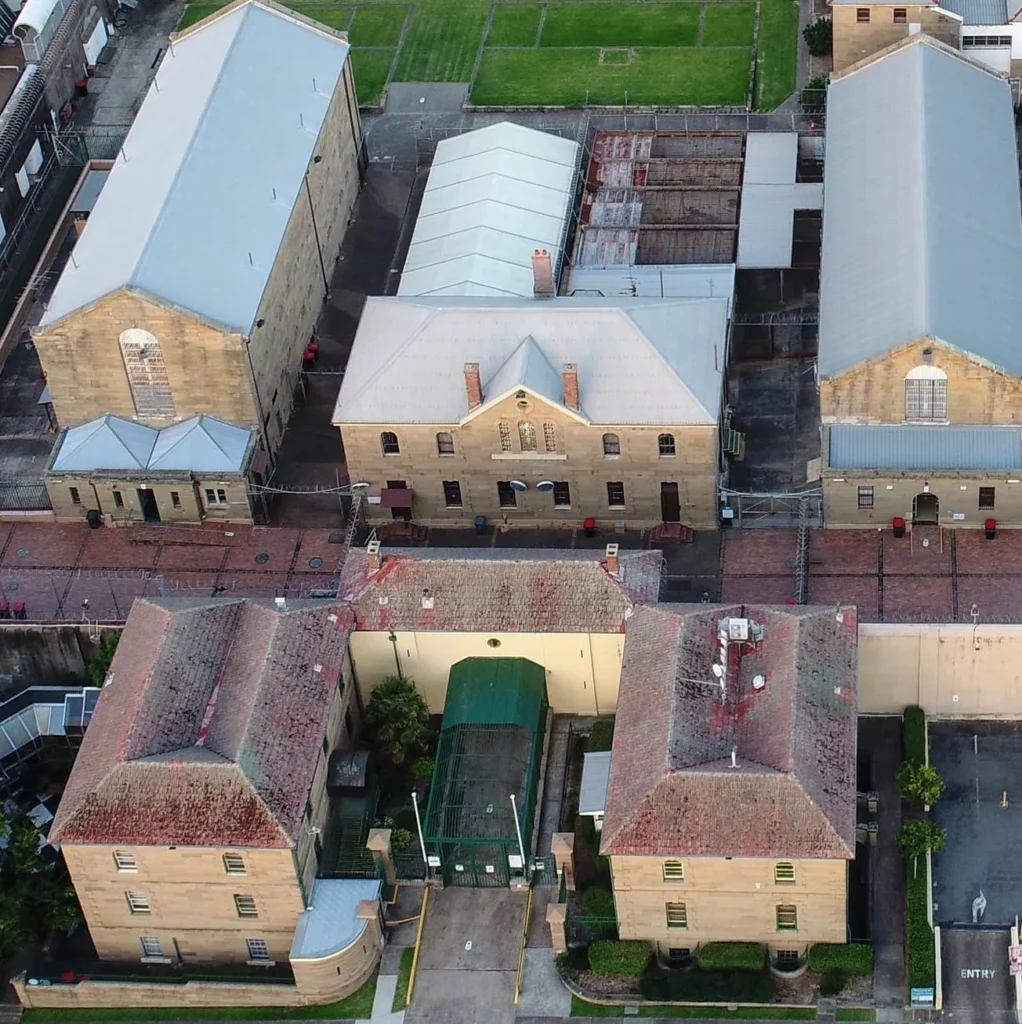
{"x": 598, "y": 902}
{"x": 850, "y": 957}
{"x": 602, "y": 736}
{"x": 708, "y": 986}
{"x": 573, "y": 962}
{"x": 614, "y": 956}
{"x": 920, "y": 959}
{"x": 832, "y": 982}
{"x": 915, "y": 734}
{"x": 99, "y": 663}
{"x": 814, "y": 93}
{"x": 731, "y": 956}
{"x": 919, "y": 783}
{"x": 397, "y": 719}
{"x": 422, "y": 767}
{"x": 400, "y": 839}
{"x": 819, "y": 36}
{"x": 406, "y": 819}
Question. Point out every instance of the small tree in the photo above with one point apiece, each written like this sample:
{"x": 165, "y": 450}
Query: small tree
{"x": 819, "y": 37}
{"x": 919, "y": 837}
{"x": 919, "y": 783}
{"x": 99, "y": 663}
{"x": 397, "y": 719}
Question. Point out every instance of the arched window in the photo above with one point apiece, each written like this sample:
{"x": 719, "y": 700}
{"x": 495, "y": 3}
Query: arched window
{"x": 527, "y": 437}
{"x": 611, "y": 444}
{"x": 444, "y": 443}
{"x": 389, "y": 444}
{"x": 147, "y": 375}
{"x": 926, "y": 394}
{"x": 665, "y": 442}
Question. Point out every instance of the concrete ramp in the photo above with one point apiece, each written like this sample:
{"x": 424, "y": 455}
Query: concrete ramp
{"x": 977, "y": 986}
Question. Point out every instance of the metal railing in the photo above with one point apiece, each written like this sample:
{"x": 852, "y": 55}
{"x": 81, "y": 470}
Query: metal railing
{"x": 24, "y": 496}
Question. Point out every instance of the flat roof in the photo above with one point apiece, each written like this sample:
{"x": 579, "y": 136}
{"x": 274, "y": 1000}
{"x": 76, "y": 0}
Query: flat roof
{"x": 681, "y": 281}
{"x": 592, "y": 795}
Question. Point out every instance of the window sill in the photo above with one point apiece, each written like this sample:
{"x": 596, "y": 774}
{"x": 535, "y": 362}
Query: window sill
{"x": 617, "y": 508}
{"x": 127, "y": 871}
{"x": 391, "y": 455}
{"x": 445, "y": 455}
{"x": 529, "y": 457}
{"x": 611, "y": 458}
{"x": 259, "y": 963}
{"x": 156, "y": 960}
{"x": 454, "y": 508}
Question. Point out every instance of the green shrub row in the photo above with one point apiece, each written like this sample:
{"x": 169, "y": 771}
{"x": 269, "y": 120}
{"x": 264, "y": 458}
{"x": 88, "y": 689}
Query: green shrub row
{"x": 602, "y": 736}
{"x": 731, "y": 956}
{"x": 708, "y": 986}
{"x": 850, "y": 958}
{"x": 614, "y": 956}
{"x": 915, "y": 734}
{"x": 919, "y": 948}
{"x": 598, "y": 902}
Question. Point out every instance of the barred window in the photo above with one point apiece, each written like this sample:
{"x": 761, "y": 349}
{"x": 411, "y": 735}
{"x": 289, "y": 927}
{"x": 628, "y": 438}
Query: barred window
{"x": 787, "y": 918}
{"x": 784, "y": 872}
{"x": 258, "y": 949}
{"x": 527, "y": 437}
{"x": 234, "y": 864}
{"x": 124, "y": 860}
{"x": 444, "y": 443}
{"x": 505, "y": 436}
{"x": 926, "y": 394}
{"x": 611, "y": 444}
{"x": 245, "y": 905}
{"x": 865, "y": 497}
{"x": 665, "y": 444}
{"x": 674, "y": 871}
{"x": 147, "y": 374}
{"x": 677, "y": 915}
{"x": 549, "y": 437}
{"x": 138, "y": 902}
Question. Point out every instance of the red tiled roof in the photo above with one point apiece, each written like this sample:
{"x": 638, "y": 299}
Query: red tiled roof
{"x": 480, "y": 591}
{"x": 673, "y": 790}
{"x": 208, "y": 729}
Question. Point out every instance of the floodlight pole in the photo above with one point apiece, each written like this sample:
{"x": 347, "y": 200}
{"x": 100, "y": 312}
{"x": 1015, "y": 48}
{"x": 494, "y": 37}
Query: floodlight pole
{"x": 418, "y": 825}
{"x": 518, "y": 830}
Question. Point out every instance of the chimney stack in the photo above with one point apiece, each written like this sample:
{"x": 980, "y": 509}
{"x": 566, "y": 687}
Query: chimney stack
{"x": 542, "y": 274}
{"x": 473, "y": 386}
{"x": 613, "y": 564}
{"x": 569, "y": 375}
{"x": 373, "y": 555}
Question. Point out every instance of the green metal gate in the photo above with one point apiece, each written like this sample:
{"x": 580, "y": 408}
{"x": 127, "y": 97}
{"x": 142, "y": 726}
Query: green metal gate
{"x": 478, "y": 865}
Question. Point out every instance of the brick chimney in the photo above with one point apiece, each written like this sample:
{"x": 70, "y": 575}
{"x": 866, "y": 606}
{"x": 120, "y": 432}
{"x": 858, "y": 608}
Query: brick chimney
{"x": 542, "y": 274}
{"x": 613, "y": 564}
{"x": 373, "y": 555}
{"x": 569, "y": 375}
{"x": 473, "y": 386}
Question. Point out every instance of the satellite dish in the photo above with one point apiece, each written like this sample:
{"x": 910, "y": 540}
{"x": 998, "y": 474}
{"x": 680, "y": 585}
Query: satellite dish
{"x": 518, "y": 485}
{"x": 545, "y": 485}
{"x": 717, "y": 670}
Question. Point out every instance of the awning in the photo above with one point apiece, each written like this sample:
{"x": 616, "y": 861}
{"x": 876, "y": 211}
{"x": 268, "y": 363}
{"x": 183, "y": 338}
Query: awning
{"x": 396, "y": 497}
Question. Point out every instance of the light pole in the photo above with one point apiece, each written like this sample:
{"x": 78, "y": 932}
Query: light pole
{"x": 315, "y": 229}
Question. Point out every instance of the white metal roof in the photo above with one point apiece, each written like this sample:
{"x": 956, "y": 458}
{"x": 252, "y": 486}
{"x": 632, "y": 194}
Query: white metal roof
{"x": 592, "y": 795}
{"x": 195, "y": 207}
{"x": 922, "y": 226}
{"x": 770, "y": 197}
{"x": 332, "y": 923}
{"x": 641, "y": 361}
{"x": 494, "y": 195}
{"x": 927, "y": 447}
{"x": 683, "y": 281}
{"x": 202, "y": 444}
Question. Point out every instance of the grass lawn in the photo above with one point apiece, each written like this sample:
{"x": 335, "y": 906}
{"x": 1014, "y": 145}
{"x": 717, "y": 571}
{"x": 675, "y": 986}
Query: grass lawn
{"x": 581, "y": 1008}
{"x": 562, "y": 76}
{"x": 358, "y": 1004}
{"x": 855, "y": 1013}
{"x": 514, "y": 25}
{"x": 775, "y": 62}
{"x": 442, "y": 42}
{"x": 404, "y": 972}
{"x": 729, "y": 25}
{"x": 371, "y": 68}
{"x": 621, "y": 25}
{"x": 377, "y": 26}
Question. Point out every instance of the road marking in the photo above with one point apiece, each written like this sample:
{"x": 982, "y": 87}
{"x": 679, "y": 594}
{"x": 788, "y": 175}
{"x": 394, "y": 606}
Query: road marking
{"x": 977, "y": 972}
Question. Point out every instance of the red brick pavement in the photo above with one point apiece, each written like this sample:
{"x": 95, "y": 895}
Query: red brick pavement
{"x": 997, "y": 598}
{"x": 860, "y": 591}
{"x": 909, "y": 555}
{"x": 759, "y": 552}
{"x": 917, "y": 599}
{"x": 974, "y": 553}
{"x": 758, "y": 589}
{"x": 849, "y": 552}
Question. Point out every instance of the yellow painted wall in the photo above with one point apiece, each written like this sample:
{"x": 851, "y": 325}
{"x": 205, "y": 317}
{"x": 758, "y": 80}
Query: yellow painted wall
{"x": 583, "y": 670}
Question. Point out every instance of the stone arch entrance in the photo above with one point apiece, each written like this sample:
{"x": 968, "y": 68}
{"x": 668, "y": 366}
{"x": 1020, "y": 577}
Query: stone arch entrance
{"x": 925, "y": 508}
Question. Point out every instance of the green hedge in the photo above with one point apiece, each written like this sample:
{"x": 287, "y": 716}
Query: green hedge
{"x": 731, "y": 956}
{"x": 598, "y": 902}
{"x": 708, "y": 986}
{"x": 602, "y": 736}
{"x": 919, "y": 947}
{"x": 915, "y": 734}
{"x": 851, "y": 958}
{"x": 613, "y": 956}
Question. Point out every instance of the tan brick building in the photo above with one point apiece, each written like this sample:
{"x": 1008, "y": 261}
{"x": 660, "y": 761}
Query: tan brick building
{"x": 191, "y": 821}
{"x": 919, "y": 362}
{"x": 538, "y": 412}
{"x": 730, "y": 809}
{"x": 201, "y": 272}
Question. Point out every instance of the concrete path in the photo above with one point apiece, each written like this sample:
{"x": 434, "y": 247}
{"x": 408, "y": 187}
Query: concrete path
{"x": 542, "y": 994}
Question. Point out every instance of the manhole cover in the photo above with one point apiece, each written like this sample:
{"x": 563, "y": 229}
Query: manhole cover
{"x": 315, "y": 563}
{"x": 262, "y": 558}
{"x": 21, "y": 552}
{"x": 12, "y": 586}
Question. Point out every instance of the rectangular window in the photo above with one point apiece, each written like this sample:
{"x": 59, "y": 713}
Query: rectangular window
{"x": 862, "y": 15}
{"x": 125, "y": 861}
{"x": 76, "y": 498}
{"x": 506, "y": 494}
{"x": 216, "y": 497}
{"x": 784, "y": 873}
{"x": 152, "y": 948}
{"x": 562, "y": 494}
{"x": 677, "y": 915}
{"x": 986, "y": 497}
{"x": 245, "y": 905}
{"x": 549, "y": 437}
{"x": 452, "y": 494}
{"x": 900, "y": 15}
{"x": 787, "y": 918}
{"x": 615, "y": 494}
{"x": 788, "y": 959}
{"x": 865, "y": 497}
{"x": 118, "y": 499}
{"x": 926, "y": 400}
{"x": 257, "y": 949}
{"x": 234, "y": 864}
{"x": 138, "y": 902}
{"x": 221, "y": 496}
{"x": 679, "y": 956}
{"x": 175, "y": 499}
{"x": 505, "y": 436}
{"x": 674, "y": 871}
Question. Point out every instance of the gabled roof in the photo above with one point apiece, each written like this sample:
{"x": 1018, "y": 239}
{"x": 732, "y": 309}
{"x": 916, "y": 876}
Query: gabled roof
{"x": 527, "y": 367}
{"x": 208, "y": 728}
{"x": 196, "y": 205}
{"x": 640, "y": 361}
{"x": 201, "y": 444}
{"x": 485, "y": 591}
{"x": 673, "y": 790}
{"x": 922, "y": 226}
{"x": 494, "y": 195}
{"x": 112, "y": 442}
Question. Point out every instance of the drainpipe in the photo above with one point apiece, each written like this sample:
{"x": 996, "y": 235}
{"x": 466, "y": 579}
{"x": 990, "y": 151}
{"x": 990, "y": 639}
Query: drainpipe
{"x": 397, "y": 661}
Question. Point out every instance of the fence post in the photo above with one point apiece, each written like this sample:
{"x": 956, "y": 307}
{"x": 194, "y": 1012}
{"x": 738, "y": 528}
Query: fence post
{"x": 556, "y": 915}
{"x": 562, "y": 846}
{"x": 378, "y": 844}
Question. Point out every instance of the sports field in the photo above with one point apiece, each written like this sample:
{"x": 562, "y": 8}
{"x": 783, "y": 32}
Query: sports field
{"x": 567, "y": 52}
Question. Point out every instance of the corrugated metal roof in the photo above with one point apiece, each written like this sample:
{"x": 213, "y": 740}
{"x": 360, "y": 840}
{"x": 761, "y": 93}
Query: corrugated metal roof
{"x": 493, "y": 196}
{"x": 196, "y": 205}
{"x": 592, "y": 794}
{"x": 922, "y": 227}
{"x": 646, "y": 361}
{"x": 924, "y": 446}
{"x": 978, "y": 12}
{"x": 199, "y": 444}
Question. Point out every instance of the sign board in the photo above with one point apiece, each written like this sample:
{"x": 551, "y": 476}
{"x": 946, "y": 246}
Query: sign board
{"x": 433, "y": 860}
{"x": 1015, "y": 959}
{"x": 957, "y": 515}
{"x": 922, "y": 998}
{"x": 374, "y": 499}
{"x": 727, "y": 512}
{"x": 514, "y": 861}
